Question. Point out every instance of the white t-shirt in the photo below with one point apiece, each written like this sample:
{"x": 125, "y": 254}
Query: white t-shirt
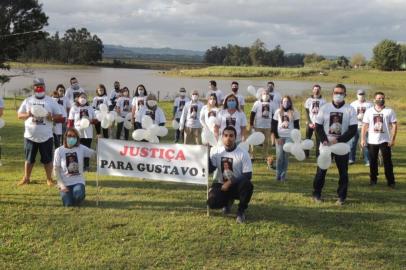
{"x": 157, "y": 116}
{"x": 233, "y": 163}
{"x": 76, "y": 114}
{"x": 98, "y": 100}
{"x": 114, "y": 96}
{"x": 57, "y": 127}
{"x": 360, "y": 108}
{"x": 70, "y": 162}
{"x": 219, "y": 95}
{"x": 336, "y": 120}
{"x": 237, "y": 120}
{"x": 240, "y": 98}
{"x": 205, "y": 114}
{"x": 72, "y": 95}
{"x": 314, "y": 105}
{"x": 39, "y": 129}
{"x": 285, "y": 122}
{"x": 1, "y": 102}
{"x": 190, "y": 115}
{"x": 137, "y": 103}
{"x": 123, "y": 104}
{"x": 379, "y": 124}
{"x": 264, "y": 112}
{"x": 274, "y": 96}
{"x": 180, "y": 103}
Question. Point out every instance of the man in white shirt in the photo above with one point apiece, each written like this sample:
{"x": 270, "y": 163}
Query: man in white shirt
{"x": 114, "y": 95}
{"x": 233, "y": 178}
{"x": 73, "y": 92}
{"x": 234, "y": 90}
{"x": 360, "y": 105}
{"x": 38, "y": 134}
{"x": 335, "y": 122}
{"x": 178, "y": 105}
{"x": 218, "y": 92}
{"x": 190, "y": 120}
{"x": 381, "y": 124}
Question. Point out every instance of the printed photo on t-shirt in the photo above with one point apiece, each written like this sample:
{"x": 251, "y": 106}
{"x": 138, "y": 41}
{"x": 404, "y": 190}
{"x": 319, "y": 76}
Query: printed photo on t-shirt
{"x": 230, "y": 121}
{"x": 336, "y": 121}
{"x": 150, "y": 114}
{"x": 227, "y": 168}
{"x": 271, "y": 97}
{"x": 361, "y": 110}
{"x": 265, "y": 111}
{"x": 285, "y": 121}
{"x": 378, "y": 123}
{"x": 315, "y": 107}
{"x": 84, "y": 113}
{"x": 126, "y": 105}
{"x": 212, "y": 113}
{"x": 98, "y": 102}
{"x": 38, "y": 120}
{"x": 60, "y": 101}
{"x": 140, "y": 102}
{"x": 181, "y": 105}
{"x": 72, "y": 163}
{"x": 193, "y": 112}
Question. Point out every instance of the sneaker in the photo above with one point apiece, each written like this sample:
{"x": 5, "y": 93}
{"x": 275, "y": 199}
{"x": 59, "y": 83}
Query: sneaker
{"x": 23, "y": 181}
{"x": 340, "y": 202}
{"x": 227, "y": 208}
{"x": 317, "y": 199}
{"x": 372, "y": 183}
{"x": 240, "y": 217}
{"x": 350, "y": 161}
{"x": 50, "y": 182}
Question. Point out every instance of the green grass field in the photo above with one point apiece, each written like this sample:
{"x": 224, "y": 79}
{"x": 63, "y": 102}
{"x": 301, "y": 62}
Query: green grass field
{"x": 142, "y": 224}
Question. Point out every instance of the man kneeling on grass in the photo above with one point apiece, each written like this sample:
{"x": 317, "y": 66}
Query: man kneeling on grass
{"x": 233, "y": 177}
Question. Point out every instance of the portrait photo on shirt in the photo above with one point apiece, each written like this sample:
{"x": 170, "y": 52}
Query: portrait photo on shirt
{"x": 265, "y": 111}
{"x": 230, "y": 121}
{"x": 361, "y": 110}
{"x": 212, "y": 113}
{"x": 84, "y": 113}
{"x": 98, "y": 102}
{"x": 72, "y": 163}
{"x": 227, "y": 168}
{"x": 336, "y": 121}
{"x": 315, "y": 107}
{"x": 60, "y": 101}
{"x": 193, "y": 111}
{"x": 140, "y": 102}
{"x": 126, "y": 105}
{"x": 38, "y": 120}
{"x": 150, "y": 114}
{"x": 378, "y": 123}
{"x": 181, "y": 105}
{"x": 285, "y": 121}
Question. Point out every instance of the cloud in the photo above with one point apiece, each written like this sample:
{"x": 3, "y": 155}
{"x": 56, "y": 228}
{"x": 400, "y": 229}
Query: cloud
{"x": 328, "y": 27}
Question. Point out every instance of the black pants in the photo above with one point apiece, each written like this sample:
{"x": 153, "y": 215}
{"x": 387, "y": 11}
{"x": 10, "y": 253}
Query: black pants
{"x": 309, "y": 134}
{"x": 178, "y": 133}
{"x": 373, "y": 150}
{"x": 319, "y": 179}
{"x": 88, "y": 143}
{"x": 98, "y": 128}
{"x": 57, "y": 140}
{"x": 241, "y": 191}
{"x": 119, "y": 128}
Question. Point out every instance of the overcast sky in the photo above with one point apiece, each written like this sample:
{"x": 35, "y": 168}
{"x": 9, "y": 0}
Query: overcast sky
{"x": 334, "y": 27}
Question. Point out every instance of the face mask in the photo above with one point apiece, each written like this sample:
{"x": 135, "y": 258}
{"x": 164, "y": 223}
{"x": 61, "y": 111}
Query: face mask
{"x": 39, "y": 92}
{"x": 71, "y": 141}
{"x": 212, "y": 102}
{"x": 141, "y": 92}
{"x": 182, "y": 94}
{"x": 82, "y": 101}
{"x": 235, "y": 90}
{"x": 116, "y": 87}
{"x": 380, "y": 102}
{"x": 231, "y": 104}
{"x": 265, "y": 97}
{"x": 195, "y": 97}
{"x": 286, "y": 105}
{"x": 338, "y": 98}
{"x": 270, "y": 88}
{"x": 151, "y": 103}
{"x": 75, "y": 86}
{"x": 40, "y": 95}
{"x": 360, "y": 97}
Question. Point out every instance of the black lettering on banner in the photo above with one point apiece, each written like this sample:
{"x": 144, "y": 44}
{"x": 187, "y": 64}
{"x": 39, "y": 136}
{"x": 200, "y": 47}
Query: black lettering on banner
{"x": 193, "y": 171}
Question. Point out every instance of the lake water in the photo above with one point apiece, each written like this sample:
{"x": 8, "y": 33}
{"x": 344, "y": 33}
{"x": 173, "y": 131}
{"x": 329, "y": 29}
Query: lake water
{"x": 153, "y": 80}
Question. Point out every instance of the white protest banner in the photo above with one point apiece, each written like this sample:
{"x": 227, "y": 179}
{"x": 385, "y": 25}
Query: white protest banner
{"x": 164, "y": 162}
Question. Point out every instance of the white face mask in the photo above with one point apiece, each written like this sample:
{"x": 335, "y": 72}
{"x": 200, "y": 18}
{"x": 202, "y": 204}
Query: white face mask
{"x": 141, "y": 92}
{"x": 338, "y": 98}
{"x": 212, "y": 102}
{"x": 182, "y": 94}
{"x": 151, "y": 103}
{"x": 195, "y": 97}
{"x": 40, "y": 95}
{"x": 265, "y": 97}
{"x": 82, "y": 101}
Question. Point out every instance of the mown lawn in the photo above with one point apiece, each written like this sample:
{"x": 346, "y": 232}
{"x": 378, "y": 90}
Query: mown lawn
{"x": 143, "y": 224}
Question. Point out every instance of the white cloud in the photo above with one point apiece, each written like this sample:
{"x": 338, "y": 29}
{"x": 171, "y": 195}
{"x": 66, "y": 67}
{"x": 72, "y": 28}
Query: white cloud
{"x": 328, "y": 27}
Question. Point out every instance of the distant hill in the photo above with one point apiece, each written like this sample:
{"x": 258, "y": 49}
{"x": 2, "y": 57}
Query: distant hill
{"x": 115, "y": 51}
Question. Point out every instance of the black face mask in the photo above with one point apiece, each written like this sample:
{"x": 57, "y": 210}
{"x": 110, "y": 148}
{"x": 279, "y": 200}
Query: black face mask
{"x": 380, "y": 102}
{"x": 270, "y": 88}
{"x": 116, "y": 87}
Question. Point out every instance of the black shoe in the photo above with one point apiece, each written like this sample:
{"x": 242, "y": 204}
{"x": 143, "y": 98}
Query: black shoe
{"x": 317, "y": 199}
{"x": 372, "y": 183}
{"x": 393, "y": 186}
{"x": 340, "y": 202}
{"x": 240, "y": 217}
{"x": 227, "y": 208}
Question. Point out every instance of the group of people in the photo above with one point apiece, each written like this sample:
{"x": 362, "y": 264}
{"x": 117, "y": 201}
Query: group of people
{"x": 272, "y": 114}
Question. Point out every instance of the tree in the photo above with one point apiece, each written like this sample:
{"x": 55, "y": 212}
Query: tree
{"x": 358, "y": 60}
{"x": 387, "y": 55}
{"x": 275, "y": 57}
{"x": 21, "y": 22}
{"x": 403, "y": 56}
{"x": 258, "y": 53}
{"x": 343, "y": 62}
{"x": 215, "y": 55}
{"x": 312, "y": 58}
{"x": 293, "y": 59}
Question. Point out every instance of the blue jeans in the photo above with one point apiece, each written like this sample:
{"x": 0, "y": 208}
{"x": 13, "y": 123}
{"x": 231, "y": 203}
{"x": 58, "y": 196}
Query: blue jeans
{"x": 354, "y": 144}
{"x": 282, "y": 159}
{"x": 74, "y": 196}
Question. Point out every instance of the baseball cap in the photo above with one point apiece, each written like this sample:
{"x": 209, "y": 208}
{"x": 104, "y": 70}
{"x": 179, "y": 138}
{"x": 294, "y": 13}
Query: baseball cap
{"x": 360, "y": 92}
{"x": 38, "y": 81}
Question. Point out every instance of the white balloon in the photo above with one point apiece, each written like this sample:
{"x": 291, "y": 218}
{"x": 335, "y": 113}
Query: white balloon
{"x": 154, "y": 129}
{"x": 39, "y": 111}
{"x": 244, "y": 146}
{"x": 324, "y": 161}
{"x": 162, "y": 131}
{"x": 211, "y": 122}
{"x": 128, "y": 116}
{"x": 99, "y": 115}
{"x": 256, "y": 138}
{"x": 340, "y": 149}
{"x": 110, "y": 117}
{"x": 297, "y": 151}
{"x": 138, "y": 135}
{"x": 105, "y": 123}
{"x": 175, "y": 124}
{"x": 128, "y": 125}
{"x": 295, "y": 135}
{"x": 119, "y": 119}
{"x": 84, "y": 123}
{"x": 251, "y": 90}
{"x": 325, "y": 150}
{"x": 2, "y": 123}
{"x": 153, "y": 139}
{"x": 287, "y": 147}
{"x": 103, "y": 108}
{"x": 147, "y": 122}
{"x": 307, "y": 144}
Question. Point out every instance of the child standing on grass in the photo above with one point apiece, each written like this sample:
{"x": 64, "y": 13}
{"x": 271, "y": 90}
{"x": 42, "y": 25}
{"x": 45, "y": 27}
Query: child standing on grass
{"x": 68, "y": 168}
{"x": 285, "y": 119}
